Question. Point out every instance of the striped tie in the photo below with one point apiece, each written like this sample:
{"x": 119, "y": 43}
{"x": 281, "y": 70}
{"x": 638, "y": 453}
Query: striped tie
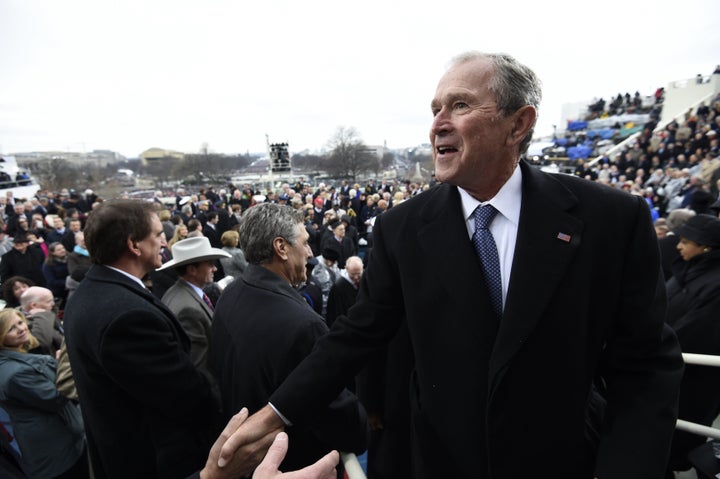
{"x": 208, "y": 302}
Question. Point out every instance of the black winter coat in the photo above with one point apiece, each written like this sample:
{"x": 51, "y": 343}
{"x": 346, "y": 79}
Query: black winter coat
{"x": 694, "y": 313}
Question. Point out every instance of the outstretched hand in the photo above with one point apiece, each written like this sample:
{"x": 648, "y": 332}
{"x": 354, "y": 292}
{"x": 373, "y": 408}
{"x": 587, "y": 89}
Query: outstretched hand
{"x": 251, "y": 440}
{"x": 244, "y": 461}
{"x": 268, "y": 469}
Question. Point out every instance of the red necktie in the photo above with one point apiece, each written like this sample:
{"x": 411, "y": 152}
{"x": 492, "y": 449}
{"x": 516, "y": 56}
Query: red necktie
{"x": 208, "y": 302}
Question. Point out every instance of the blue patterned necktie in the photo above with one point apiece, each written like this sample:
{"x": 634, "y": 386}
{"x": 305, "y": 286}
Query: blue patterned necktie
{"x": 487, "y": 252}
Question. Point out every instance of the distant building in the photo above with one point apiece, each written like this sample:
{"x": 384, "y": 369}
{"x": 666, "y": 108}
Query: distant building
{"x": 97, "y": 157}
{"x": 159, "y": 153}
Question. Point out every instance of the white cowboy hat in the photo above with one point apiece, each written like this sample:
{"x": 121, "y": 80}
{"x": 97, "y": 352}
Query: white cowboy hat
{"x": 193, "y": 250}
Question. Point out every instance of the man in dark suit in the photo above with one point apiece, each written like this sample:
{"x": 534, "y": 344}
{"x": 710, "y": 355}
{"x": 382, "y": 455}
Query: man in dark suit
{"x": 68, "y": 238}
{"x": 336, "y": 238}
{"x": 505, "y": 366}
{"x": 148, "y": 411}
{"x": 262, "y": 328}
{"x": 210, "y": 230}
{"x": 344, "y": 292}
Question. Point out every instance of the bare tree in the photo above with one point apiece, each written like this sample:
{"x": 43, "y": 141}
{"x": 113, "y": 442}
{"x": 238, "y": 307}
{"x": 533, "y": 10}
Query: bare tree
{"x": 55, "y": 173}
{"x": 349, "y": 157}
{"x": 308, "y": 162}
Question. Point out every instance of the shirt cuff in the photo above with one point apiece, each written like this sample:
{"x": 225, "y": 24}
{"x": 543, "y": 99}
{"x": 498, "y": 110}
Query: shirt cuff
{"x": 284, "y": 419}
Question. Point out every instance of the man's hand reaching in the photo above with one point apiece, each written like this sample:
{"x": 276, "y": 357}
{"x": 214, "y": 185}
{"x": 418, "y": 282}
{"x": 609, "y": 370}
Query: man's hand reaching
{"x": 268, "y": 469}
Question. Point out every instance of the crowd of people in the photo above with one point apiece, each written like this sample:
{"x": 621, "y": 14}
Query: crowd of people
{"x": 677, "y": 166}
{"x": 194, "y": 333}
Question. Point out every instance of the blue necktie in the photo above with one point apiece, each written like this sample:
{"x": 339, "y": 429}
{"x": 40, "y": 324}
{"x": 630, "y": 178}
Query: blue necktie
{"x": 487, "y": 252}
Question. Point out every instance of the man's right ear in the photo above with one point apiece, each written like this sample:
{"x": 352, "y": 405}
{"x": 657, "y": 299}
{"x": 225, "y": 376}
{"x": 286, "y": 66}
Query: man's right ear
{"x": 280, "y": 246}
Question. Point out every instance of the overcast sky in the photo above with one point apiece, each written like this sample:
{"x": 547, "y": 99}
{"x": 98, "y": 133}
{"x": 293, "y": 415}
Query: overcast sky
{"x": 129, "y": 75}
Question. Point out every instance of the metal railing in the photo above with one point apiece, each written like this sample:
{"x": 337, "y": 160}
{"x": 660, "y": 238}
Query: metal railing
{"x": 691, "y": 427}
{"x": 353, "y": 469}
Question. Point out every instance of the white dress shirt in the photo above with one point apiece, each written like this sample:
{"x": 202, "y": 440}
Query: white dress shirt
{"x": 504, "y": 227}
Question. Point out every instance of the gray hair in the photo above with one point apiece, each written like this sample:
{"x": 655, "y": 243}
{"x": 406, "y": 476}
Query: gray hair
{"x": 263, "y": 223}
{"x": 678, "y": 217}
{"x": 513, "y": 84}
{"x": 32, "y": 295}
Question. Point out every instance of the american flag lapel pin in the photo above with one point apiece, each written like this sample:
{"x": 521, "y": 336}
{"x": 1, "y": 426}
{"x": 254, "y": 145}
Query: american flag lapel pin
{"x": 564, "y": 237}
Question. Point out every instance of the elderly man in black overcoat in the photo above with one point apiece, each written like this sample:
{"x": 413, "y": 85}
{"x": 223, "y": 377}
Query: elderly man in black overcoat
{"x": 513, "y": 316}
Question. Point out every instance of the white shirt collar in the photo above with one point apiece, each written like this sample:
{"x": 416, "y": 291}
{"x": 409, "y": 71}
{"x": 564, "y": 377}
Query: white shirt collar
{"x": 134, "y": 278}
{"x": 197, "y": 290}
{"x": 507, "y": 201}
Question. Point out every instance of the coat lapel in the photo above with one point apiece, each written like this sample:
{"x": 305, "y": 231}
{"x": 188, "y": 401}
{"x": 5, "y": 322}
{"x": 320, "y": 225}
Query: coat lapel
{"x": 548, "y": 237}
{"x": 191, "y": 293}
{"x": 449, "y": 253}
{"x": 105, "y": 274}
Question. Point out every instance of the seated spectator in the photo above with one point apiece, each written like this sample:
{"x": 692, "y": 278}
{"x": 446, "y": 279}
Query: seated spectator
{"x": 48, "y": 428}
{"x": 56, "y": 272}
{"x": 13, "y": 289}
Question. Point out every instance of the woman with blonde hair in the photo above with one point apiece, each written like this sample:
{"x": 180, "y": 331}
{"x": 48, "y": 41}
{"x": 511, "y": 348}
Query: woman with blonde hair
{"x": 181, "y": 232}
{"x": 48, "y": 427}
{"x": 236, "y": 263}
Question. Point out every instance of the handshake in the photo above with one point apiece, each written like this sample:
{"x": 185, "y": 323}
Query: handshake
{"x": 239, "y": 460}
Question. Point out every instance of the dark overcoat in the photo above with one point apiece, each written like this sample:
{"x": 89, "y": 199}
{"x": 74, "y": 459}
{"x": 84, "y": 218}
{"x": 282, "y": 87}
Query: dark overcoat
{"x": 148, "y": 411}
{"x": 585, "y": 299}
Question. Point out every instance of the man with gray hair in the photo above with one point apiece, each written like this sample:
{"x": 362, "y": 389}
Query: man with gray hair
{"x": 38, "y": 306}
{"x": 496, "y": 273}
{"x": 263, "y": 328}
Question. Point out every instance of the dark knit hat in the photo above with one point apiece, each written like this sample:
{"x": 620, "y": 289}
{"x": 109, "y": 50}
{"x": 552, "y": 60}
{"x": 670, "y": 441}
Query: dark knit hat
{"x": 702, "y": 229}
{"x": 333, "y": 254}
{"x": 20, "y": 238}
